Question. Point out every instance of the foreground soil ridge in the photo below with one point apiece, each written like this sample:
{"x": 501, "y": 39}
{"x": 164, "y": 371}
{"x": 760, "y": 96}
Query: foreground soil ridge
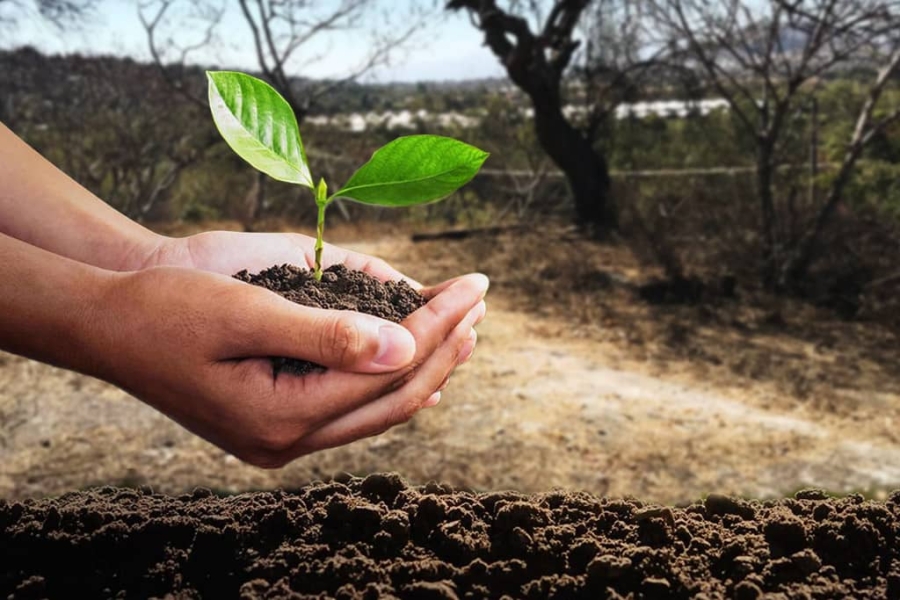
{"x": 378, "y": 537}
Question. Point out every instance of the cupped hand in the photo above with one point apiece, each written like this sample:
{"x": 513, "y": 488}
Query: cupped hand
{"x": 228, "y": 252}
{"x": 195, "y": 345}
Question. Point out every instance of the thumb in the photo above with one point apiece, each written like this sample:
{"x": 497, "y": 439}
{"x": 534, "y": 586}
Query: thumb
{"x": 338, "y": 339}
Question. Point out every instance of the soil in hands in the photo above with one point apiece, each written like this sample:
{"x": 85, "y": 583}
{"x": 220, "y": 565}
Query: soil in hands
{"x": 340, "y": 288}
{"x": 379, "y": 538}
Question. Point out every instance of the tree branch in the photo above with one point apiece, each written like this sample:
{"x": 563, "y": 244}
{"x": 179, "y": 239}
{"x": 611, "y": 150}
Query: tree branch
{"x": 496, "y": 25}
{"x": 150, "y": 25}
{"x": 863, "y": 133}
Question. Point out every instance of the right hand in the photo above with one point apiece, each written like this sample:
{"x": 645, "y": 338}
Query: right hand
{"x": 195, "y": 345}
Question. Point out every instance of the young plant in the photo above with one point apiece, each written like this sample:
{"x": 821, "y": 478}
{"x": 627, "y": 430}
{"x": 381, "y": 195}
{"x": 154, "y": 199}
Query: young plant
{"x": 261, "y": 128}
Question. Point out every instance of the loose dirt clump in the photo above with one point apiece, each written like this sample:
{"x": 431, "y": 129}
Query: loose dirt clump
{"x": 379, "y": 538}
{"x": 341, "y": 289}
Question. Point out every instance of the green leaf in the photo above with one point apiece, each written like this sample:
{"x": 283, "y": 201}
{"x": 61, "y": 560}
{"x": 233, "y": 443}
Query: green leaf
{"x": 259, "y": 125}
{"x": 414, "y": 170}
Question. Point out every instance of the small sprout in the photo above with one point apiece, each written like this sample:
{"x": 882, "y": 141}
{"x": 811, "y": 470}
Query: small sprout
{"x": 261, "y": 128}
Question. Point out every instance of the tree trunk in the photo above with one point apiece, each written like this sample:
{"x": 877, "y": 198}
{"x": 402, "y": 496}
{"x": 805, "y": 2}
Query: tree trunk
{"x": 254, "y": 202}
{"x": 796, "y": 266}
{"x": 586, "y": 171}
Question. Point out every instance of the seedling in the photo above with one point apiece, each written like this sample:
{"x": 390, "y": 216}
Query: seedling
{"x": 261, "y": 128}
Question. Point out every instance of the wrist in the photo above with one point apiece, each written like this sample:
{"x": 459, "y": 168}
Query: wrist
{"x": 96, "y": 330}
{"x": 81, "y": 329}
{"x": 52, "y": 317}
{"x": 142, "y": 251}
{"x": 41, "y": 206}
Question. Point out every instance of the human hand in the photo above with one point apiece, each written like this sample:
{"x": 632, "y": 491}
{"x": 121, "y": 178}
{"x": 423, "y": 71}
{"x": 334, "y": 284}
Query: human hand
{"x": 194, "y": 342}
{"x": 194, "y": 345}
{"x": 228, "y": 252}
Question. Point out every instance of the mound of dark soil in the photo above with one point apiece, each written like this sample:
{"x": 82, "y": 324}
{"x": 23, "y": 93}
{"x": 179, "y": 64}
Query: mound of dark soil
{"x": 340, "y": 289}
{"x": 378, "y": 538}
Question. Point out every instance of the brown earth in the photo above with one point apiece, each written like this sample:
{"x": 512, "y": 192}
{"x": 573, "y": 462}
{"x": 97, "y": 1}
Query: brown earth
{"x": 578, "y": 385}
{"x": 378, "y": 538}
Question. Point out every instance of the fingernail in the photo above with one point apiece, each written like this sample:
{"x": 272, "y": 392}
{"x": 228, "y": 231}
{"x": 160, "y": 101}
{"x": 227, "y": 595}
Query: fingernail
{"x": 468, "y": 348}
{"x": 433, "y": 400}
{"x": 483, "y": 282}
{"x": 396, "y": 347}
{"x": 444, "y": 384}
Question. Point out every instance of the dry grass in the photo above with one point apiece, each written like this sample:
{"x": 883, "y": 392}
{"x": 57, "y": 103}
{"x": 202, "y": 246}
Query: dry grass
{"x": 810, "y": 354}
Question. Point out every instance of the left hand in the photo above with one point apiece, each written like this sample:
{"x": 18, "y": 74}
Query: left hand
{"x": 227, "y": 252}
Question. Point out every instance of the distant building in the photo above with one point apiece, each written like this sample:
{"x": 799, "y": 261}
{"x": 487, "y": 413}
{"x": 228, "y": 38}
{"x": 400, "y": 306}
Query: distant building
{"x": 408, "y": 120}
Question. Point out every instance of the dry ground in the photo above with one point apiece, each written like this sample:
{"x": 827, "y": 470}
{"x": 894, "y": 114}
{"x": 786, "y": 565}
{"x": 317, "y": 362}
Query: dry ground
{"x": 582, "y": 387}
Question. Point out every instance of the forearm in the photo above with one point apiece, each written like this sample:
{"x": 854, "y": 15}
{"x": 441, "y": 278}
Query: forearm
{"x": 48, "y": 305}
{"x": 42, "y": 206}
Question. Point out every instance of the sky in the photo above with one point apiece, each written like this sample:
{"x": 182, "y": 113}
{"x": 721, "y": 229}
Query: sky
{"x": 451, "y": 49}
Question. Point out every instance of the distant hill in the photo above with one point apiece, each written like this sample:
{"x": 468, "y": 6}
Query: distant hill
{"x": 50, "y": 78}
{"x": 31, "y": 82}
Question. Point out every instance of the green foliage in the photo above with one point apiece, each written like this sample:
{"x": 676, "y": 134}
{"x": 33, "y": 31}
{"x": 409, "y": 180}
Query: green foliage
{"x": 259, "y": 125}
{"x": 876, "y": 184}
{"x": 261, "y": 128}
{"x": 696, "y": 141}
{"x": 413, "y": 170}
{"x": 195, "y": 212}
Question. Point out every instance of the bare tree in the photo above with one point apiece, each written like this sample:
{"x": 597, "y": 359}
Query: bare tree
{"x": 868, "y": 126}
{"x": 767, "y": 59}
{"x": 139, "y": 141}
{"x": 537, "y": 43}
{"x": 280, "y": 31}
{"x": 206, "y": 16}
{"x": 111, "y": 124}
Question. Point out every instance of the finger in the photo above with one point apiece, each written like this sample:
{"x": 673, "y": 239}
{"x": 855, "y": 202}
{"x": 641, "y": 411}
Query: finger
{"x": 338, "y": 393}
{"x": 378, "y": 269}
{"x": 228, "y": 252}
{"x": 432, "y": 291}
{"x": 468, "y": 348}
{"x": 357, "y": 261}
{"x": 481, "y": 309}
{"x": 264, "y": 324}
{"x": 461, "y": 299}
{"x": 397, "y": 407}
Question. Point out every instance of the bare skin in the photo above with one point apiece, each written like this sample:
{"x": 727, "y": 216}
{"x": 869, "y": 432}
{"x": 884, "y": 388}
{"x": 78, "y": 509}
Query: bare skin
{"x": 93, "y": 291}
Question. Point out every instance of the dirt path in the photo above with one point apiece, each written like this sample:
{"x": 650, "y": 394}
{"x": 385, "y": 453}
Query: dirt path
{"x": 603, "y": 423}
{"x": 537, "y": 408}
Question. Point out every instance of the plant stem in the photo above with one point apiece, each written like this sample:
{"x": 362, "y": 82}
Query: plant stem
{"x": 322, "y": 203}
{"x": 320, "y": 229}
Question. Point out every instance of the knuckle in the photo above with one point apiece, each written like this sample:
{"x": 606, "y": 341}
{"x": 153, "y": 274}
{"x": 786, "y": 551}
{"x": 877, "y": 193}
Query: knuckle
{"x": 274, "y": 444}
{"x": 341, "y": 340}
{"x": 406, "y": 375}
{"x": 402, "y": 412}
